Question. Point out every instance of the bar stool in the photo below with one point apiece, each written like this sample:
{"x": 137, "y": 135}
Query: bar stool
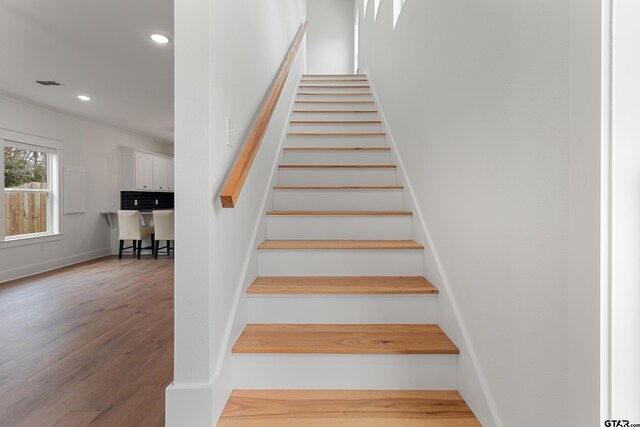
{"x": 131, "y": 228}
{"x": 163, "y": 223}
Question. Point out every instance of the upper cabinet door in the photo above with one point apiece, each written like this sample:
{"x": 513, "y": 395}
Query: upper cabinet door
{"x": 170, "y": 184}
{"x": 144, "y": 171}
{"x": 160, "y": 174}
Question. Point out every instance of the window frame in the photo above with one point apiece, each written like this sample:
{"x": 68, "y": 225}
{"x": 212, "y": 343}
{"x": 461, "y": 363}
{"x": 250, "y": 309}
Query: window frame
{"x": 53, "y": 148}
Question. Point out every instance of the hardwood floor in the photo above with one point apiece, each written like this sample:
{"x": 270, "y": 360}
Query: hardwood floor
{"x": 87, "y": 345}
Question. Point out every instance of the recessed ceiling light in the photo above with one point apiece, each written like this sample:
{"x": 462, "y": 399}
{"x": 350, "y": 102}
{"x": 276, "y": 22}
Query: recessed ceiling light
{"x": 84, "y": 98}
{"x": 159, "y": 38}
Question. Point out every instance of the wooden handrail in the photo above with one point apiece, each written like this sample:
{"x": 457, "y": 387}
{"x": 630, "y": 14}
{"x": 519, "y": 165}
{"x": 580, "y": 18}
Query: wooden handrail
{"x": 235, "y": 181}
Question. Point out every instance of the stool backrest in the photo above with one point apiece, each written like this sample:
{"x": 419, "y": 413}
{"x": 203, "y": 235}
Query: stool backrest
{"x": 163, "y": 224}
{"x": 130, "y": 225}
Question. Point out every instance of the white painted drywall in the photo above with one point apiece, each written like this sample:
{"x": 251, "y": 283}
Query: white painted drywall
{"x": 625, "y": 313}
{"x": 227, "y": 55}
{"x": 478, "y": 96}
{"x": 88, "y": 145}
{"x": 330, "y": 36}
{"x": 586, "y": 219}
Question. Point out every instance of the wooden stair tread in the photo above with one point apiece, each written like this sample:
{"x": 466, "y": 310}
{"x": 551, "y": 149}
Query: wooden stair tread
{"x": 340, "y": 244}
{"x": 337, "y": 148}
{"x": 344, "y": 339}
{"x": 338, "y": 187}
{"x": 337, "y": 166}
{"x": 342, "y": 285}
{"x": 347, "y": 408}
{"x": 332, "y": 80}
{"x": 333, "y": 86}
{"x": 336, "y": 122}
{"x": 336, "y": 111}
{"x": 334, "y": 75}
{"x": 341, "y": 213}
{"x": 333, "y": 102}
{"x": 334, "y": 94}
{"x": 336, "y": 134}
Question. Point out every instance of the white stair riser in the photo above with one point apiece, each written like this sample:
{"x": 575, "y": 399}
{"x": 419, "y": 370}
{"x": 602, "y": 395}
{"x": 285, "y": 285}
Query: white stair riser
{"x": 342, "y": 309}
{"x": 337, "y": 176}
{"x": 335, "y": 105}
{"x": 369, "y": 127}
{"x": 335, "y": 116}
{"x": 336, "y": 141}
{"x": 369, "y": 262}
{"x": 329, "y": 371}
{"x": 351, "y": 81}
{"x": 337, "y": 157}
{"x": 323, "y": 97}
{"x": 350, "y": 200}
{"x": 372, "y": 227}
{"x": 347, "y": 86}
{"x": 330, "y": 90}
{"x": 350, "y": 77}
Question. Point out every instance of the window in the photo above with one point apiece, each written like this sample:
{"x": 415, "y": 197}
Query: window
{"x": 31, "y": 191}
{"x": 356, "y": 43}
{"x": 397, "y": 8}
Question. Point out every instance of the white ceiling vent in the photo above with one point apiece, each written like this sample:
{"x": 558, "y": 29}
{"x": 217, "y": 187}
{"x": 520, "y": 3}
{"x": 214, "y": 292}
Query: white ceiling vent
{"x": 48, "y": 83}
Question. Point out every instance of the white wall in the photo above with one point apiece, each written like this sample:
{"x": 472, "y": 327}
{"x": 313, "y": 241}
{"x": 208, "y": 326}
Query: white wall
{"x": 587, "y": 214}
{"x": 87, "y": 145}
{"x": 227, "y": 55}
{"x": 330, "y": 36}
{"x": 626, "y": 213}
{"x": 477, "y": 95}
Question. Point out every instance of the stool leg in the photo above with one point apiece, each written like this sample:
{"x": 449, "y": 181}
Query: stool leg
{"x": 121, "y": 249}
{"x": 135, "y": 247}
{"x": 157, "y": 247}
{"x": 139, "y": 248}
{"x": 153, "y": 244}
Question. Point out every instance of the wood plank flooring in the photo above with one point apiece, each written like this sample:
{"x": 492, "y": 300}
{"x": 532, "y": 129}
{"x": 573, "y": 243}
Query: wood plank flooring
{"x": 353, "y": 408}
{"x": 87, "y": 345}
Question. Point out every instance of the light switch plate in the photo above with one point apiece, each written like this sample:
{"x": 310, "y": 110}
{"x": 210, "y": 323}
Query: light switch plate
{"x": 230, "y": 131}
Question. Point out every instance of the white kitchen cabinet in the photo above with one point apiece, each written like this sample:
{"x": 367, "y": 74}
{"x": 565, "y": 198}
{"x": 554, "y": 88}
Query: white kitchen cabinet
{"x": 170, "y": 179}
{"x": 160, "y": 173}
{"x": 144, "y": 171}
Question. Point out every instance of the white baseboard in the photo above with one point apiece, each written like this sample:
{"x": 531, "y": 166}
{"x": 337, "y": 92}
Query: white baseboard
{"x": 43, "y": 267}
{"x": 189, "y": 406}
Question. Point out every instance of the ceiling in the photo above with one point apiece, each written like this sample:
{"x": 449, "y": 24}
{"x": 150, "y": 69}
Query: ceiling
{"x": 94, "y": 47}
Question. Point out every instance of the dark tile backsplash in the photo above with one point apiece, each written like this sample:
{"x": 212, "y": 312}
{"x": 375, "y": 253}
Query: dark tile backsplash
{"x": 146, "y": 200}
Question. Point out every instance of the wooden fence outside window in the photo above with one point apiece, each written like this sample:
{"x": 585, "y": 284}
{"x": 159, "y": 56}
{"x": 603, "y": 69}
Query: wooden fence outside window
{"x": 25, "y": 212}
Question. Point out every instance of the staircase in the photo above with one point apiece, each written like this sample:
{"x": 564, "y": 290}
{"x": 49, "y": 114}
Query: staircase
{"x": 342, "y": 324}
